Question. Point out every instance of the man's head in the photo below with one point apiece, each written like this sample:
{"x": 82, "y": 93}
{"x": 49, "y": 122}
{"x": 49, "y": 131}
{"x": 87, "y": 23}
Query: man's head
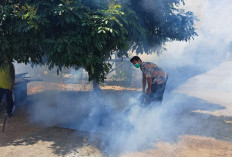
{"x": 136, "y": 61}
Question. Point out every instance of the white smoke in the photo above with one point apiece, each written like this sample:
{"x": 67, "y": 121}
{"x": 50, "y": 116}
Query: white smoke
{"x": 211, "y": 46}
{"x": 125, "y": 125}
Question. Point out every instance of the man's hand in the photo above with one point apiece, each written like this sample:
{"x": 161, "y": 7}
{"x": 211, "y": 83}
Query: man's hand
{"x": 148, "y": 92}
{"x": 144, "y": 92}
{"x": 12, "y": 87}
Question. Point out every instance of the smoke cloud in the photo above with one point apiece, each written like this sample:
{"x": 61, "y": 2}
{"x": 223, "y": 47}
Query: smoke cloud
{"x": 125, "y": 125}
{"x": 210, "y": 47}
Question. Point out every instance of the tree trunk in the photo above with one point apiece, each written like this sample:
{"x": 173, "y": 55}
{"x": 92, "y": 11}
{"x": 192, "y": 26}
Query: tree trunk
{"x": 96, "y": 86}
{"x": 95, "y": 83}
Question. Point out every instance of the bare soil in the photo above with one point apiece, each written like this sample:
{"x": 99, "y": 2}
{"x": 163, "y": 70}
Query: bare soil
{"x": 23, "y": 139}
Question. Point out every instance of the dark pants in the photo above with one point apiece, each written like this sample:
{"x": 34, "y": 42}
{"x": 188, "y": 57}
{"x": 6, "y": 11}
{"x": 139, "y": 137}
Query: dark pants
{"x": 9, "y": 99}
{"x": 157, "y": 92}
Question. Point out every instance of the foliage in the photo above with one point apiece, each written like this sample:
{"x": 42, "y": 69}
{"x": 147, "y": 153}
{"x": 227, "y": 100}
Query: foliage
{"x": 161, "y": 21}
{"x": 85, "y": 33}
{"x": 20, "y": 37}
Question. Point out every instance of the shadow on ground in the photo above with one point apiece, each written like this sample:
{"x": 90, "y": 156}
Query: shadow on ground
{"x": 61, "y": 144}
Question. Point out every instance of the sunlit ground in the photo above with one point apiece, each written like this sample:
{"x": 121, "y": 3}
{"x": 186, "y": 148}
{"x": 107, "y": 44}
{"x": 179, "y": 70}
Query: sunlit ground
{"x": 214, "y": 87}
{"x": 37, "y": 87}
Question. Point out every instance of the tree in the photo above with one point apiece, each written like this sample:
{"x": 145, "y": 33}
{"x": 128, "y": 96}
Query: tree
{"x": 20, "y": 38}
{"x": 85, "y": 33}
{"x": 162, "y": 21}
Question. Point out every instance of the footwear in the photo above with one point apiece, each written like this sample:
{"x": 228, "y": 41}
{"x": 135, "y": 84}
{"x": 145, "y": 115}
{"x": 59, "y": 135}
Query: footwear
{"x": 9, "y": 115}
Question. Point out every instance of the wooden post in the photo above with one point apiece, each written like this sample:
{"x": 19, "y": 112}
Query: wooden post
{"x": 4, "y": 122}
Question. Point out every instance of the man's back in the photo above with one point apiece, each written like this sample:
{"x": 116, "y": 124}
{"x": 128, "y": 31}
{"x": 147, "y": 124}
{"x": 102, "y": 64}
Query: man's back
{"x": 152, "y": 70}
{"x": 5, "y": 76}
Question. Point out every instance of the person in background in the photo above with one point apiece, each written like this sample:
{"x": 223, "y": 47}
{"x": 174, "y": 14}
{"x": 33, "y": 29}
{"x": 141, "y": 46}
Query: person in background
{"x": 7, "y": 80}
{"x": 155, "y": 77}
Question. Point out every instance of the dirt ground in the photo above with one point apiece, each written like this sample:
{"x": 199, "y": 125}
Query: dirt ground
{"x": 24, "y": 139}
{"x": 188, "y": 146}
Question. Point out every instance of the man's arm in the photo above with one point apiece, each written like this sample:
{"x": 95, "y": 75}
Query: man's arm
{"x": 144, "y": 84}
{"x": 12, "y": 74}
{"x": 149, "y": 81}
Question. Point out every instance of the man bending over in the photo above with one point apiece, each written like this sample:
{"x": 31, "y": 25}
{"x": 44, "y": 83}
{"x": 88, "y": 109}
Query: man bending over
{"x": 155, "y": 77}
